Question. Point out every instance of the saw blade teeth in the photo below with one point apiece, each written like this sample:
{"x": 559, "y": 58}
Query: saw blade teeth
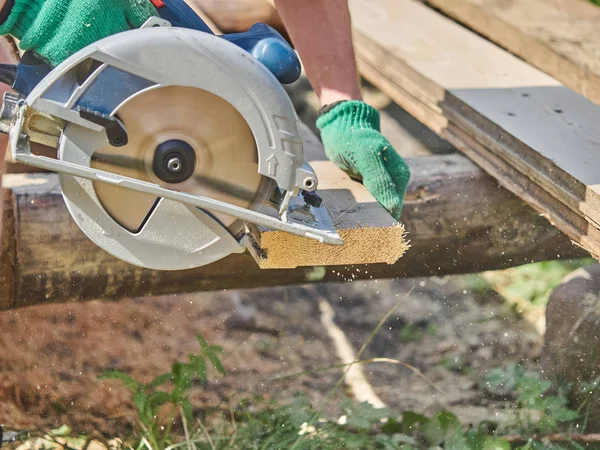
{"x": 226, "y": 157}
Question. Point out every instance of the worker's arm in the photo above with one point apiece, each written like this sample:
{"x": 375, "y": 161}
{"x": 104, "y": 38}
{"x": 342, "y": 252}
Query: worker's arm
{"x": 350, "y": 129}
{"x": 320, "y": 31}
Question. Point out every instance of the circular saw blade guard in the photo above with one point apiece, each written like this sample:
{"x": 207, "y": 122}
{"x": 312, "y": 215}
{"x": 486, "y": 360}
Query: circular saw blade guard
{"x": 124, "y": 96}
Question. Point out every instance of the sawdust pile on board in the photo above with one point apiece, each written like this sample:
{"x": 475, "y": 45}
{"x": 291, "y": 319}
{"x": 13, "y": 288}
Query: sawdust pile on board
{"x": 51, "y": 356}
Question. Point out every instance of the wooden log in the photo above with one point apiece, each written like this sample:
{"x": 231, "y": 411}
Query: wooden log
{"x": 458, "y": 218}
{"x": 536, "y": 136}
{"x": 559, "y": 37}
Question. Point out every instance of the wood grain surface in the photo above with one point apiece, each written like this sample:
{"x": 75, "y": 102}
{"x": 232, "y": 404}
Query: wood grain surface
{"x": 559, "y": 37}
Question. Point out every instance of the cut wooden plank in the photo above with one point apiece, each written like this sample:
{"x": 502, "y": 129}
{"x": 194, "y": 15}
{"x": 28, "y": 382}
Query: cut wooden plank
{"x": 524, "y": 127}
{"x": 458, "y": 218}
{"x": 357, "y": 216}
{"x": 560, "y": 37}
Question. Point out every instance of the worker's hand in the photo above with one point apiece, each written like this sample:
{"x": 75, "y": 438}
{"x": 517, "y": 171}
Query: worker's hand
{"x": 55, "y": 29}
{"x": 350, "y": 132}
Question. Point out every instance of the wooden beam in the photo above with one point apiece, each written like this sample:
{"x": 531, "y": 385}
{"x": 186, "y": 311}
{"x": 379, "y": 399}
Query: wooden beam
{"x": 525, "y": 128}
{"x": 458, "y": 218}
{"x": 559, "y": 37}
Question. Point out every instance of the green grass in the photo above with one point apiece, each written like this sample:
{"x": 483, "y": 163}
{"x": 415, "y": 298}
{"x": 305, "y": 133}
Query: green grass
{"x": 359, "y": 426}
{"x": 167, "y": 419}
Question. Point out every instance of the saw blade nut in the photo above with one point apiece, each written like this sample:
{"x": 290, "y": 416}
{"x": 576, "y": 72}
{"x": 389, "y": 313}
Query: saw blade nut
{"x": 174, "y": 161}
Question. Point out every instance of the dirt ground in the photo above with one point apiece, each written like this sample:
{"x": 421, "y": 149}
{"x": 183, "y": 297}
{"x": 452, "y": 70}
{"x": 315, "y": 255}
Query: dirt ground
{"x": 51, "y": 355}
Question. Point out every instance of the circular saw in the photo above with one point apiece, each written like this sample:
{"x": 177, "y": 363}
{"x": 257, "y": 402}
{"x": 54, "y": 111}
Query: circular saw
{"x": 172, "y": 140}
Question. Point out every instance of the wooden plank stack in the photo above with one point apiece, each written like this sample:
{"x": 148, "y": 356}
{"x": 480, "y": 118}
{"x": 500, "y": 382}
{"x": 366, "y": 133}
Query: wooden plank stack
{"x": 534, "y": 135}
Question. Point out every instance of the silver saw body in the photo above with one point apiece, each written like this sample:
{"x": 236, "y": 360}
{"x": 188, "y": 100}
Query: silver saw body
{"x": 119, "y": 110}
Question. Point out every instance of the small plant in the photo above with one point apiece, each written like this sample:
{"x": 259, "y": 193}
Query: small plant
{"x": 150, "y": 398}
{"x": 533, "y": 394}
{"x": 360, "y": 427}
{"x": 456, "y": 364}
{"x": 412, "y": 333}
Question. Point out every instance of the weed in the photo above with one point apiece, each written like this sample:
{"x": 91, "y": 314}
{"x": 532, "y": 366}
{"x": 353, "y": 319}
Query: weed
{"x": 412, "y": 333}
{"x": 533, "y": 394}
{"x": 150, "y": 398}
{"x": 456, "y": 364}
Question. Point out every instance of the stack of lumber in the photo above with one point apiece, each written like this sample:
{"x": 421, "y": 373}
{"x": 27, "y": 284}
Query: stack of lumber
{"x": 532, "y": 133}
{"x": 559, "y": 37}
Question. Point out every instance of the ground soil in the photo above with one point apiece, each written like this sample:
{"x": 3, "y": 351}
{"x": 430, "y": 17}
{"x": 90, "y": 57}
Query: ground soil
{"x": 51, "y": 356}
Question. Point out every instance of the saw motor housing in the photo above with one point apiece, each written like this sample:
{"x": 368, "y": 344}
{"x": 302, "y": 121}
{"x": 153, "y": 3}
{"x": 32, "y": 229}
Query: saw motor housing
{"x": 81, "y": 106}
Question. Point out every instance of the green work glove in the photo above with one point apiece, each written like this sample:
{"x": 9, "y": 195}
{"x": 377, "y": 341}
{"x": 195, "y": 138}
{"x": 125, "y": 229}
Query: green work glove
{"x": 55, "y": 29}
{"x": 351, "y": 135}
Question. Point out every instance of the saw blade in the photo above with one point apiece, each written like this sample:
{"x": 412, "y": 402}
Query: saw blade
{"x": 226, "y": 166}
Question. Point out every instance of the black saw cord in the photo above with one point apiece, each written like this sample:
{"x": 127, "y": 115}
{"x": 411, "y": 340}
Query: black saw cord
{"x": 8, "y": 74}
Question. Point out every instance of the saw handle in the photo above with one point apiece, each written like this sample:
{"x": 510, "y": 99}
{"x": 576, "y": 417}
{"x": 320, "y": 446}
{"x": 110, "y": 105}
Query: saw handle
{"x": 261, "y": 41}
{"x": 271, "y": 49}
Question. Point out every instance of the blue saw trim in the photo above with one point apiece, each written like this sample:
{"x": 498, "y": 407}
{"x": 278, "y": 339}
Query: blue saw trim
{"x": 181, "y": 15}
{"x": 110, "y": 89}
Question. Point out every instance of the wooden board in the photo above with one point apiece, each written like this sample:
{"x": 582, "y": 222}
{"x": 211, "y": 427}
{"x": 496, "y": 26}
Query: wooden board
{"x": 458, "y": 218}
{"x": 536, "y": 136}
{"x": 357, "y": 216}
{"x": 560, "y": 37}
